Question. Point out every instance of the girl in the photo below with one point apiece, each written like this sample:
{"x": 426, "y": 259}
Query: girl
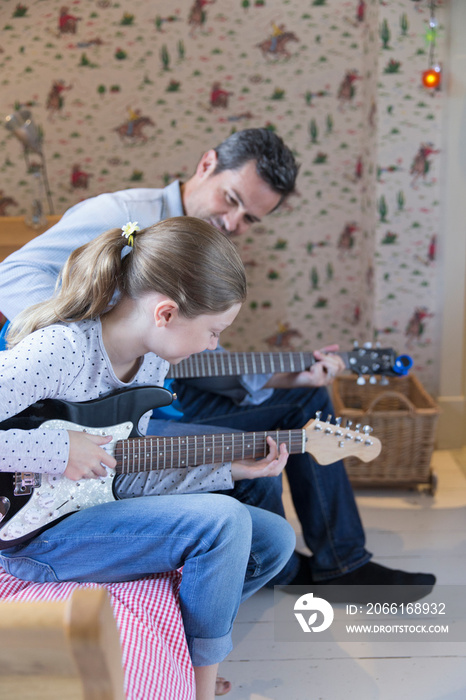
{"x": 177, "y": 285}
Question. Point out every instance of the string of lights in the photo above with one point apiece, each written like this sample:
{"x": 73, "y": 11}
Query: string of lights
{"x": 432, "y": 77}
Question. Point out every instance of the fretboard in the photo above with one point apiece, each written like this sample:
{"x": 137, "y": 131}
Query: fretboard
{"x": 151, "y": 453}
{"x": 219, "y": 364}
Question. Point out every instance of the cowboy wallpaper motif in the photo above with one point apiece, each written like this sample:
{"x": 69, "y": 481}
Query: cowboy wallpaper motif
{"x": 131, "y": 95}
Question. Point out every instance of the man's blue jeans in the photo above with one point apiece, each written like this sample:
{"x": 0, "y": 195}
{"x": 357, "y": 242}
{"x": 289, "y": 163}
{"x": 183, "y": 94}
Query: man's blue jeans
{"x": 322, "y": 495}
{"x": 228, "y": 551}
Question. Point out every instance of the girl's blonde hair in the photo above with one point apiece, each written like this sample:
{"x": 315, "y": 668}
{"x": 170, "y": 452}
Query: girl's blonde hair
{"x": 185, "y": 258}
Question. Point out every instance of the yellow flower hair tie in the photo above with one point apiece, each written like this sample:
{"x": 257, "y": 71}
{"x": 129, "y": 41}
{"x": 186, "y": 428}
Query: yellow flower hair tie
{"x": 128, "y": 230}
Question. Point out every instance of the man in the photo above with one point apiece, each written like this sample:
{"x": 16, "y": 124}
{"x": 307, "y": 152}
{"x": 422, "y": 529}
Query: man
{"x": 234, "y": 186}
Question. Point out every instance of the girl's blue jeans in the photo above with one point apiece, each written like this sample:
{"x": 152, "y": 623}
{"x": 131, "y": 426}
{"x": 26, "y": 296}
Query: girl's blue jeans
{"x": 228, "y": 551}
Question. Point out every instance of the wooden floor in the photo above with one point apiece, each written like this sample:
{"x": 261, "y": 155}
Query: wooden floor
{"x": 405, "y": 529}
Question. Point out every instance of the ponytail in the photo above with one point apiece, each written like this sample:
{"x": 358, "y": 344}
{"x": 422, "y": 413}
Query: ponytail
{"x": 184, "y": 258}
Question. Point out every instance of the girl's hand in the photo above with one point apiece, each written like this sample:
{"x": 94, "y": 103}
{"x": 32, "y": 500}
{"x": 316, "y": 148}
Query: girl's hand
{"x": 86, "y": 458}
{"x": 272, "y": 465}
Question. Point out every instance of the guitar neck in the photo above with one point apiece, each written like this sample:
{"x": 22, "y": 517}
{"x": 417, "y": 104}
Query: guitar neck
{"x": 144, "y": 454}
{"x": 221, "y": 364}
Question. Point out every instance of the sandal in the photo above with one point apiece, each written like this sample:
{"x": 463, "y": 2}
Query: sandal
{"x": 222, "y": 687}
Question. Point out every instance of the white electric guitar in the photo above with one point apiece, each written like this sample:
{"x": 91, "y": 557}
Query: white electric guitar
{"x": 31, "y": 502}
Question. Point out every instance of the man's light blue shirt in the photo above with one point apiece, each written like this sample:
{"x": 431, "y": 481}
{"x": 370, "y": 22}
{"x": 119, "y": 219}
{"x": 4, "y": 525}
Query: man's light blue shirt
{"x": 29, "y": 275}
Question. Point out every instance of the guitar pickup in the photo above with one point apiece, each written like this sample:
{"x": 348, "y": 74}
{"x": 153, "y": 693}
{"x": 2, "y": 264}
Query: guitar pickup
{"x": 26, "y": 482}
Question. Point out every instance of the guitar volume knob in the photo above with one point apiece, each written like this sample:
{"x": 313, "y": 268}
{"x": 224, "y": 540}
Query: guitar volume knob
{"x": 45, "y": 501}
{"x": 31, "y": 517}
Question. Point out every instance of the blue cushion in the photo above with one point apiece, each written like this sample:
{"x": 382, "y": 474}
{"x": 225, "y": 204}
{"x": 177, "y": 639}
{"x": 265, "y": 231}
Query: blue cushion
{"x": 3, "y": 333}
{"x": 168, "y": 412}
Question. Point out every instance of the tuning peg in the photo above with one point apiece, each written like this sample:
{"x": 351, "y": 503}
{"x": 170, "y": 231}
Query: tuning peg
{"x": 384, "y": 381}
{"x": 338, "y": 430}
{"x": 348, "y": 435}
{"x": 367, "y": 345}
{"x": 360, "y": 380}
{"x": 373, "y": 380}
{"x": 317, "y": 425}
{"x": 358, "y": 437}
{"x": 355, "y": 344}
{"x": 328, "y": 429}
{"x": 367, "y": 430}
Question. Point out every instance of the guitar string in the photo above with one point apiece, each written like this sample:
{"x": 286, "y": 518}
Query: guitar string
{"x": 187, "y": 448}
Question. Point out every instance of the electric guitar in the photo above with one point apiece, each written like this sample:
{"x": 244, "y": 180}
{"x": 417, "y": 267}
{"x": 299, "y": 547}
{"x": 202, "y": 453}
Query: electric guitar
{"x": 361, "y": 360}
{"x": 31, "y": 502}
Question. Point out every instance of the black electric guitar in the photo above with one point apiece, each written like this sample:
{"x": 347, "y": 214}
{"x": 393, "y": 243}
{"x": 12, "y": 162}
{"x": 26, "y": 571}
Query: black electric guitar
{"x": 361, "y": 360}
{"x": 30, "y": 502}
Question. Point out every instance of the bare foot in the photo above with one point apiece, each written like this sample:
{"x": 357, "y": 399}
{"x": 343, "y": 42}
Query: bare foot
{"x": 222, "y": 687}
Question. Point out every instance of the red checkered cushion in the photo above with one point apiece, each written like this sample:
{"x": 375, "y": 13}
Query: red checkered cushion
{"x": 155, "y": 654}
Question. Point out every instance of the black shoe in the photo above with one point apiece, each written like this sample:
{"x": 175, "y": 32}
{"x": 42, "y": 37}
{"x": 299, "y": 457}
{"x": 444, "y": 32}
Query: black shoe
{"x": 304, "y": 575}
{"x": 369, "y": 583}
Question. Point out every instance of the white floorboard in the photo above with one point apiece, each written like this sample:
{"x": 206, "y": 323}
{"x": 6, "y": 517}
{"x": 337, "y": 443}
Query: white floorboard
{"x": 405, "y": 529}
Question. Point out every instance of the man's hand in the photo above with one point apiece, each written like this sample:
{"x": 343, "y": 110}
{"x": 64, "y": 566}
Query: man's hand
{"x": 272, "y": 465}
{"x": 86, "y": 457}
{"x": 322, "y": 372}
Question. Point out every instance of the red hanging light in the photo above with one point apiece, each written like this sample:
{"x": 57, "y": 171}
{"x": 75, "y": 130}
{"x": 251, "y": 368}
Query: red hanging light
{"x": 432, "y": 77}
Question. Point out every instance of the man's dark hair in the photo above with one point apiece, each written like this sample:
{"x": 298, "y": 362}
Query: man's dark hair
{"x": 275, "y": 163}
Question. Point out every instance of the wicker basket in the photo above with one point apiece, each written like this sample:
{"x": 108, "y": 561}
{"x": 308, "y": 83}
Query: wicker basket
{"x": 404, "y": 417}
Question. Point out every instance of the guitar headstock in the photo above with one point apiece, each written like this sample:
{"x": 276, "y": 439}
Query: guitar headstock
{"x": 328, "y": 442}
{"x": 368, "y": 360}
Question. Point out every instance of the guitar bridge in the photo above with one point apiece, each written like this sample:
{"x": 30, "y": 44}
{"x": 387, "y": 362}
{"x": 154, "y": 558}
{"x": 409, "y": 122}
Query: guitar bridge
{"x": 25, "y": 482}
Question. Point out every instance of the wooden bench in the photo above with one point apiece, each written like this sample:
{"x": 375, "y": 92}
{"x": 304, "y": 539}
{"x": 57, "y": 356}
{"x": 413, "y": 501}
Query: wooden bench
{"x": 14, "y": 233}
{"x": 51, "y": 650}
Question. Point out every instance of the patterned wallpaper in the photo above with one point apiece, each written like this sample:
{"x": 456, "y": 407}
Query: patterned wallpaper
{"x": 131, "y": 94}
